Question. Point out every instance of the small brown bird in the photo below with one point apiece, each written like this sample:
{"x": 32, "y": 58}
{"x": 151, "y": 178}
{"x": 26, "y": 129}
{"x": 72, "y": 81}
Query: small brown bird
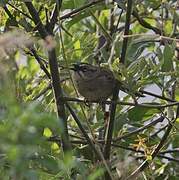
{"x": 93, "y": 82}
{"x": 96, "y": 83}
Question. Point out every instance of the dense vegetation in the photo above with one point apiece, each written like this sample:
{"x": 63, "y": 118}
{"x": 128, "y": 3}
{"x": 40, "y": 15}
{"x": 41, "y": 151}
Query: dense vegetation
{"x": 48, "y": 131}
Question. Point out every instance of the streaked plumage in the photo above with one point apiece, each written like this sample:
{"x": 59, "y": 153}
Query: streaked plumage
{"x": 93, "y": 82}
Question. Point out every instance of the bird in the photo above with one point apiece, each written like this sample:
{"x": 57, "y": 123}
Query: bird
{"x": 95, "y": 83}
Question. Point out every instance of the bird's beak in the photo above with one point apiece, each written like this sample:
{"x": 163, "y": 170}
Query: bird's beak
{"x": 74, "y": 67}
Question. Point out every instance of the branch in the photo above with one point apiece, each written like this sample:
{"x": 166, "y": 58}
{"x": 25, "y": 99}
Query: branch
{"x": 160, "y": 119}
{"x": 110, "y": 127}
{"x": 54, "y": 17}
{"x": 158, "y": 131}
{"x": 175, "y": 150}
{"x": 89, "y": 141}
{"x": 58, "y": 95}
{"x": 114, "y": 102}
{"x": 42, "y": 92}
{"x": 10, "y": 16}
{"x": 26, "y": 15}
{"x": 145, "y": 24}
{"x": 145, "y": 164}
{"x": 126, "y": 31}
{"x": 105, "y": 33}
{"x": 80, "y": 9}
{"x": 160, "y": 155}
{"x": 168, "y": 158}
{"x": 54, "y": 76}
{"x": 34, "y": 53}
{"x": 96, "y": 150}
{"x": 81, "y": 141}
{"x": 156, "y": 95}
{"x": 37, "y": 20}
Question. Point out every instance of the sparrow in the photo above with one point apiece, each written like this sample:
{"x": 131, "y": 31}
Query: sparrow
{"x": 96, "y": 83}
{"x": 92, "y": 82}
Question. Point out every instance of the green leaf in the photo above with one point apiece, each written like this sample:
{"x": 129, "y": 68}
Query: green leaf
{"x": 77, "y": 47}
{"x": 23, "y": 22}
{"x": 47, "y": 132}
{"x": 31, "y": 175}
{"x": 168, "y": 26}
{"x": 137, "y": 47}
{"x": 175, "y": 142}
{"x": 69, "y": 4}
{"x": 168, "y": 54}
{"x": 120, "y": 121}
{"x": 96, "y": 174}
{"x": 142, "y": 113}
{"x": 76, "y": 19}
{"x": 48, "y": 162}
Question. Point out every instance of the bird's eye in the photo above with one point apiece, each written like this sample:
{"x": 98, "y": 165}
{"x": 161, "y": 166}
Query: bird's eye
{"x": 84, "y": 69}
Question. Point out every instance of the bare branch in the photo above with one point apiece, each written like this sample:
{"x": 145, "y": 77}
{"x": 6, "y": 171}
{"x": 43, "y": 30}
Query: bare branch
{"x": 55, "y": 78}
{"x": 79, "y": 10}
{"x": 110, "y": 127}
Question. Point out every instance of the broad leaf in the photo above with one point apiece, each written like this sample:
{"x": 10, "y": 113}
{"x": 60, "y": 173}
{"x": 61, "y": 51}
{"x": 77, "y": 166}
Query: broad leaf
{"x": 142, "y": 113}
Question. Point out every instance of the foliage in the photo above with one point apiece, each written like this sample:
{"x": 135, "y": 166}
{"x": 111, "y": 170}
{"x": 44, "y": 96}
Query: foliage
{"x": 145, "y": 128}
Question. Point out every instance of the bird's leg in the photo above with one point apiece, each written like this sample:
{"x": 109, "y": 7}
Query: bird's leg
{"x": 102, "y": 130}
{"x": 87, "y": 103}
{"x": 106, "y": 118}
{"x": 135, "y": 99}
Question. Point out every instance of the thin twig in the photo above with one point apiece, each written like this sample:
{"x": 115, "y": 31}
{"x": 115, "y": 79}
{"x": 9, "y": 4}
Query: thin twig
{"x": 160, "y": 155}
{"x": 46, "y": 89}
{"x": 160, "y": 119}
{"x": 11, "y": 16}
{"x": 55, "y": 13}
{"x": 89, "y": 141}
{"x": 95, "y": 148}
{"x": 176, "y": 150}
{"x": 144, "y": 105}
{"x": 126, "y": 31}
{"x": 34, "y": 14}
{"x": 26, "y": 15}
{"x": 157, "y": 96}
{"x": 42, "y": 92}
{"x": 158, "y": 131}
{"x": 145, "y": 23}
{"x": 145, "y": 164}
{"x": 105, "y": 33}
{"x": 80, "y": 9}
{"x": 118, "y": 21}
{"x": 34, "y": 53}
{"x": 111, "y": 21}
{"x": 110, "y": 126}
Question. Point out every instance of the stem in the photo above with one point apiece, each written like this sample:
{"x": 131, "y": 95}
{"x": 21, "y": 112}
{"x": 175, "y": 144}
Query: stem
{"x": 80, "y": 9}
{"x": 110, "y": 128}
{"x": 60, "y": 104}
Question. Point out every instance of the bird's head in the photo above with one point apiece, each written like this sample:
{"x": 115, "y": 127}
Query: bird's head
{"x": 79, "y": 66}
